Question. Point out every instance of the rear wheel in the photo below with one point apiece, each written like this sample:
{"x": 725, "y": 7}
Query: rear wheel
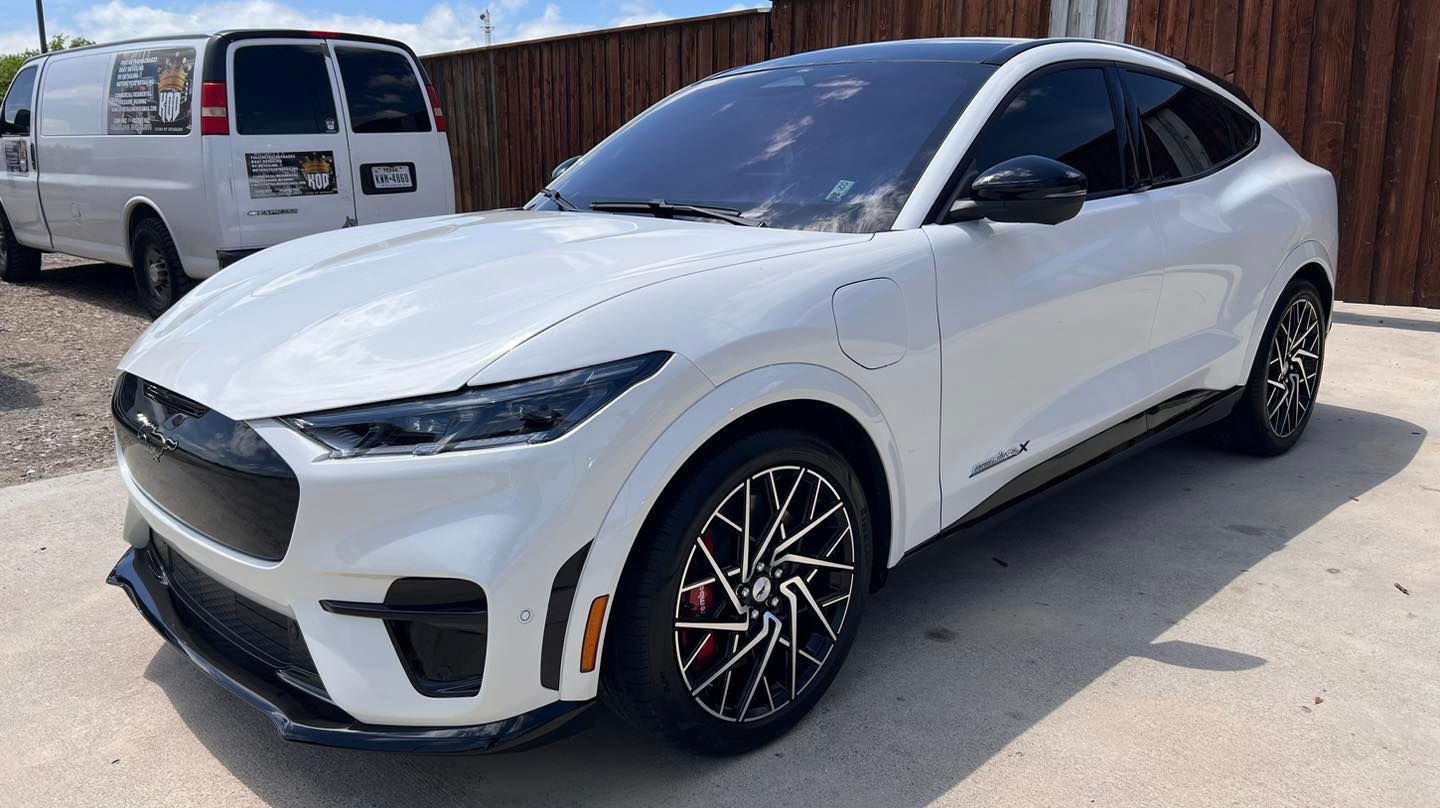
{"x": 160, "y": 278}
{"x": 18, "y": 263}
{"x": 1279, "y": 396}
{"x": 744, "y": 596}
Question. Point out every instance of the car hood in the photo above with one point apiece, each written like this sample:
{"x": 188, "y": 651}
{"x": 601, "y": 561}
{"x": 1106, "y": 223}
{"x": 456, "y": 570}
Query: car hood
{"x": 417, "y": 307}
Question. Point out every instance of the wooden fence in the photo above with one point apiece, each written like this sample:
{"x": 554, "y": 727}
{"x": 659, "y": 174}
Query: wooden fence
{"x": 1352, "y": 84}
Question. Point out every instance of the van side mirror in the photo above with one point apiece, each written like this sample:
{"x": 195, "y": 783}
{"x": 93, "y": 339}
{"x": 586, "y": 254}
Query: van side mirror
{"x": 565, "y": 166}
{"x": 1029, "y": 189}
{"x": 22, "y": 123}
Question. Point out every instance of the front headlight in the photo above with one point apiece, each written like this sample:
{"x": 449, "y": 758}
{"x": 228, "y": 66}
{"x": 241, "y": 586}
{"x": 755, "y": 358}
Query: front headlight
{"x": 531, "y": 411}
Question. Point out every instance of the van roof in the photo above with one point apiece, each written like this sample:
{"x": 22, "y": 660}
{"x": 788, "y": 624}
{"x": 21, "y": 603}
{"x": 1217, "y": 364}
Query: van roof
{"x": 215, "y": 66}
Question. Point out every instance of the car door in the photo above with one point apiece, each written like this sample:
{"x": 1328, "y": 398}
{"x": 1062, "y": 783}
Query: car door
{"x": 1219, "y": 223}
{"x": 1044, "y": 328}
{"x": 290, "y": 163}
{"x": 400, "y": 161}
{"x": 19, "y": 190}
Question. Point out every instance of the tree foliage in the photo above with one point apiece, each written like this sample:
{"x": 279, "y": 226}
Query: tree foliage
{"x": 10, "y": 62}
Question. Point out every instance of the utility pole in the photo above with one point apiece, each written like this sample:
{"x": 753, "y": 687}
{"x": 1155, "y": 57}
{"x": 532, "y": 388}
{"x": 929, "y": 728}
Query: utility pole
{"x": 485, "y": 25}
{"x": 40, "y": 19}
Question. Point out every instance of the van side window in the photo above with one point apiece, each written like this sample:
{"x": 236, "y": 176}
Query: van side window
{"x": 382, "y": 92}
{"x": 16, "y": 119}
{"x": 1065, "y": 115}
{"x": 1187, "y": 131}
{"x": 283, "y": 90}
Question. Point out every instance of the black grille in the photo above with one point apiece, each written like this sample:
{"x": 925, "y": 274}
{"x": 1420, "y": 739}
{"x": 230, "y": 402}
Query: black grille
{"x": 232, "y": 621}
{"x": 216, "y": 475}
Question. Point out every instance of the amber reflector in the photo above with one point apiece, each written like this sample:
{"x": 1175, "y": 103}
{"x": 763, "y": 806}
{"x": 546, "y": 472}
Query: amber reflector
{"x": 591, "y": 649}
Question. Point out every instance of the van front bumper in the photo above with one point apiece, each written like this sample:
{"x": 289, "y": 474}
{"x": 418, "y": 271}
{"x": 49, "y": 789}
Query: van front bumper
{"x": 306, "y": 717}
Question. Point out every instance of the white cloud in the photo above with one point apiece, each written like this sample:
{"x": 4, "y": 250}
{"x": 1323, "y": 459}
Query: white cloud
{"x": 639, "y": 13}
{"x": 445, "y": 25}
{"x": 18, "y": 40}
{"x": 549, "y": 23}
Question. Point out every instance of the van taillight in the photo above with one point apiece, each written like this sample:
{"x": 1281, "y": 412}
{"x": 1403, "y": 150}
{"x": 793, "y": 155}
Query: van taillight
{"x": 214, "y": 117}
{"x": 435, "y": 106}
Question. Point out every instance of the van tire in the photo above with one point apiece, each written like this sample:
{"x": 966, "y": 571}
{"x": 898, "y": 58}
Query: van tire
{"x": 18, "y": 263}
{"x": 160, "y": 278}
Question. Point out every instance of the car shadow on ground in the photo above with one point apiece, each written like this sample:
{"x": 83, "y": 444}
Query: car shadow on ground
{"x": 958, "y": 656}
{"x": 105, "y": 285}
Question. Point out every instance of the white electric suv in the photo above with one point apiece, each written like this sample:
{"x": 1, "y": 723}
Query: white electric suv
{"x": 655, "y": 438}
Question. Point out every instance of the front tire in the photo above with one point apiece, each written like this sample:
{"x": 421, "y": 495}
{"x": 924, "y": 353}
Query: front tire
{"x": 160, "y": 278}
{"x": 18, "y": 263}
{"x": 1279, "y": 396}
{"x": 722, "y": 663}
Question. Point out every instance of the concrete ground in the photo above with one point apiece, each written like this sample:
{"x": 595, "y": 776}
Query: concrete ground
{"x": 1186, "y": 628}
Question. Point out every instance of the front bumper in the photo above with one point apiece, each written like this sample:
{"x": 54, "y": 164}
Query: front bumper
{"x": 509, "y": 520}
{"x": 306, "y": 718}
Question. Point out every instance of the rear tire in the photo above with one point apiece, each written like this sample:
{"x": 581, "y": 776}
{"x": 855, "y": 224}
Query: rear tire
{"x": 160, "y": 278}
{"x": 18, "y": 263}
{"x": 700, "y": 688}
{"x": 1279, "y": 396}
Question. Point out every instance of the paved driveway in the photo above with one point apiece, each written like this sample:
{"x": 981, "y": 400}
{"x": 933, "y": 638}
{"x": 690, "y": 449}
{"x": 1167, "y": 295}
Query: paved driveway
{"x": 1188, "y": 628}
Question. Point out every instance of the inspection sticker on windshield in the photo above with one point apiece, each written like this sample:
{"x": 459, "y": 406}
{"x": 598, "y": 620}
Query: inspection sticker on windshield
{"x": 840, "y": 190}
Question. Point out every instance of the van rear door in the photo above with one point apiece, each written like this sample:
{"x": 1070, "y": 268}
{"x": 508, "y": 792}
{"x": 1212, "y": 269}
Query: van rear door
{"x": 290, "y": 163}
{"x": 399, "y": 155}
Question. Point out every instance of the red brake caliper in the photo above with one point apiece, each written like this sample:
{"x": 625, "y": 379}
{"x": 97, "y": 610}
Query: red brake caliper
{"x": 697, "y": 603}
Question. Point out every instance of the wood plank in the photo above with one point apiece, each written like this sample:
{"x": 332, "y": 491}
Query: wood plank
{"x": 1427, "y": 283}
{"x": 1143, "y": 27}
{"x": 1412, "y": 116}
{"x": 1224, "y": 43}
{"x": 1376, "y": 30}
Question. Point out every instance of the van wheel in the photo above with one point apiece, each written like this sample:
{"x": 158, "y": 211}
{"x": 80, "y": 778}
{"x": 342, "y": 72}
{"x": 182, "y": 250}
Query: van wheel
{"x": 743, "y": 595}
{"x": 160, "y": 279}
{"x": 18, "y": 263}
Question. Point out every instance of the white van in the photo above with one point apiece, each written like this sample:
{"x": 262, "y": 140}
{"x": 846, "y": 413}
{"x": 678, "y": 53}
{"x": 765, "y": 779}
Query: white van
{"x": 179, "y": 155}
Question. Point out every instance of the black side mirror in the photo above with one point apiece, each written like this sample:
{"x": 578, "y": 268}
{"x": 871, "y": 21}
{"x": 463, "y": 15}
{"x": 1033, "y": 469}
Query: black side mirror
{"x": 1029, "y": 189}
{"x": 565, "y": 166}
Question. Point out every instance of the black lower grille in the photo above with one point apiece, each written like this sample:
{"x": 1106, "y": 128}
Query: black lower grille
{"x": 232, "y": 621}
{"x": 216, "y": 475}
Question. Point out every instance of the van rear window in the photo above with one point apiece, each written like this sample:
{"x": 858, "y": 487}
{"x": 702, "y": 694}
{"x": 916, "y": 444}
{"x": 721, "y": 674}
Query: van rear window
{"x": 382, "y": 91}
{"x": 283, "y": 90}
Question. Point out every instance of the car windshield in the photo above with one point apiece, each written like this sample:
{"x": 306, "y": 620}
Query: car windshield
{"x": 827, "y": 147}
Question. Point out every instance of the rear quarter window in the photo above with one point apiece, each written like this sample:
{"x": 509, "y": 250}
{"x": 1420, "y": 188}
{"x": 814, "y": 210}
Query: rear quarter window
{"x": 1187, "y": 131}
{"x": 382, "y": 91}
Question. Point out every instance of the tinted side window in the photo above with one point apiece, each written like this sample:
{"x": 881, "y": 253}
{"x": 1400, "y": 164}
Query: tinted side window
{"x": 1065, "y": 116}
{"x": 17, "y": 104}
{"x": 382, "y": 92}
{"x": 283, "y": 90}
{"x": 1187, "y": 131}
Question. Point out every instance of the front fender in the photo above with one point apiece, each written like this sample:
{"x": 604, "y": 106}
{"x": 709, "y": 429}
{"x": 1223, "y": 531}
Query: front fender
{"x": 723, "y": 405}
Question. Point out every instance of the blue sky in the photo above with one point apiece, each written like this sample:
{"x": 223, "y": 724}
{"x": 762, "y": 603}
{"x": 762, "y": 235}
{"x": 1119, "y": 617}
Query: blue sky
{"x": 428, "y": 25}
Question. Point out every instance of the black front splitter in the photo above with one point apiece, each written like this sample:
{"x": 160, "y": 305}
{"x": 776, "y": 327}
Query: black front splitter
{"x": 305, "y": 717}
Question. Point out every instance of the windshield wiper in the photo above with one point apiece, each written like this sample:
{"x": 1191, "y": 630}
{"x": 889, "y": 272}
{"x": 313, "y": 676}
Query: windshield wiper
{"x": 661, "y": 209}
{"x": 555, "y": 196}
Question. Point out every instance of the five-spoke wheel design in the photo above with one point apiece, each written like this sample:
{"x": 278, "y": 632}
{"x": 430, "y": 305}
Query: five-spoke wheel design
{"x": 1292, "y": 370}
{"x": 764, "y": 593}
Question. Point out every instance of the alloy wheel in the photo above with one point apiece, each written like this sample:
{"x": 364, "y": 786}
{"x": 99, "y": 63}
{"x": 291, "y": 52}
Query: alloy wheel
{"x": 1292, "y": 371}
{"x": 764, "y": 593}
{"x": 157, "y": 272}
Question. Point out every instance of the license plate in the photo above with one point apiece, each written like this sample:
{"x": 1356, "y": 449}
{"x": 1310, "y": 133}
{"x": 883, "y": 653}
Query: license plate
{"x": 388, "y": 178}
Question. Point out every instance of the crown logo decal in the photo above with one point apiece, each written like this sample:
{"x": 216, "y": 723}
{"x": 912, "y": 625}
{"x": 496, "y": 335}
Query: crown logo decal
{"x": 171, "y": 79}
{"x": 315, "y": 164}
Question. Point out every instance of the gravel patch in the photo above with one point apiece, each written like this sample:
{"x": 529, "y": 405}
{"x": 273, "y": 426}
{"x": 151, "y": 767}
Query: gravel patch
{"x": 60, "y": 339}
